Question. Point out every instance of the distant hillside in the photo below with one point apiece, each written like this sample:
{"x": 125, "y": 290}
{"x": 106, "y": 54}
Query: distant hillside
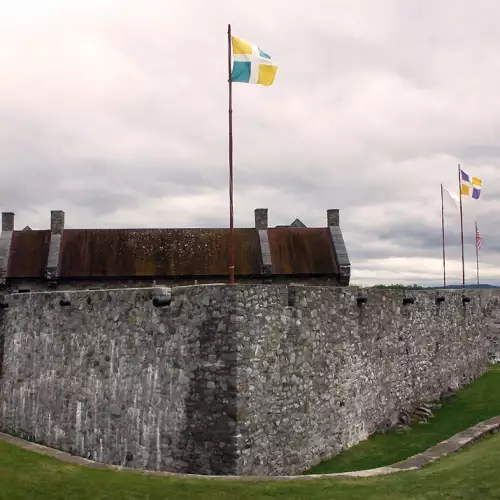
{"x": 468, "y": 286}
{"x": 420, "y": 287}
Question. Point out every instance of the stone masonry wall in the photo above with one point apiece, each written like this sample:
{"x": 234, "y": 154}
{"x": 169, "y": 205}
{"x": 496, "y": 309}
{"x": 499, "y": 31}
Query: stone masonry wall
{"x": 321, "y": 375}
{"x": 492, "y": 326}
{"x": 113, "y": 378}
{"x": 249, "y": 379}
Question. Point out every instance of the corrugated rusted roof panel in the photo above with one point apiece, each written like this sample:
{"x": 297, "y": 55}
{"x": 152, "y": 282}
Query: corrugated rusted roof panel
{"x": 302, "y": 251}
{"x": 28, "y": 254}
{"x": 157, "y": 252}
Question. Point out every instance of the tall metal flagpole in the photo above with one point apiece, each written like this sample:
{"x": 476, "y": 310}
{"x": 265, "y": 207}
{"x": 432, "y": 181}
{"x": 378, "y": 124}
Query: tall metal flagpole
{"x": 461, "y": 227}
{"x": 231, "y": 221}
{"x": 442, "y": 232}
{"x": 477, "y": 255}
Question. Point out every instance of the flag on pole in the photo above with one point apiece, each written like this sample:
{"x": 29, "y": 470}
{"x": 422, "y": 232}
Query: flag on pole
{"x": 470, "y": 186}
{"x": 450, "y": 202}
{"x": 478, "y": 240}
{"x": 251, "y": 64}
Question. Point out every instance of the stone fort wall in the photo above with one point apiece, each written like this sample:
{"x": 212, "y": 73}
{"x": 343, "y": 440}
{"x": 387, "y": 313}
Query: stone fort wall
{"x": 248, "y": 379}
{"x": 492, "y": 323}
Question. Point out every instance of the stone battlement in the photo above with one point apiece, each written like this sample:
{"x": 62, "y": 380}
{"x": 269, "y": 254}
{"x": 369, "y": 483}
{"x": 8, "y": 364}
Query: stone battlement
{"x": 217, "y": 379}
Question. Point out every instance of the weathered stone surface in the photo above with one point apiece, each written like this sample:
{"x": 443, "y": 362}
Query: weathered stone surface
{"x": 319, "y": 377}
{"x": 261, "y": 218}
{"x": 492, "y": 325}
{"x": 115, "y": 379}
{"x": 228, "y": 379}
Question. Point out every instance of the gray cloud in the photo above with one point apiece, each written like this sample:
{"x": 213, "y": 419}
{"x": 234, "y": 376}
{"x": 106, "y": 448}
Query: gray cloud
{"x": 118, "y": 114}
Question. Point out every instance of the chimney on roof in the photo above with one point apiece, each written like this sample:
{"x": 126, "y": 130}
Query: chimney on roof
{"x": 56, "y": 221}
{"x": 7, "y": 221}
{"x": 261, "y": 218}
{"x": 5, "y": 242}
{"x": 332, "y": 217}
{"x": 56, "y": 231}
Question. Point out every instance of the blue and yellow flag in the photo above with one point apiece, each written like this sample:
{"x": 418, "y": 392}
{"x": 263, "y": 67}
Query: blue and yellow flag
{"x": 251, "y": 65}
{"x": 470, "y": 186}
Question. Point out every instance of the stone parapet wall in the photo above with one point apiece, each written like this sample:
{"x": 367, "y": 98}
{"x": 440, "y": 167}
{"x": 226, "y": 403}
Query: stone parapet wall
{"x": 491, "y": 311}
{"x": 15, "y": 285}
{"x": 324, "y": 373}
{"x": 245, "y": 379}
{"x": 113, "y": 378}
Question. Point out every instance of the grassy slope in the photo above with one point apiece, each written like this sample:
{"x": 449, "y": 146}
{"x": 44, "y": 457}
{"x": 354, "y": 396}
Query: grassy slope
{"x": 470, "y": 474}
{"x": 473, "y": 404}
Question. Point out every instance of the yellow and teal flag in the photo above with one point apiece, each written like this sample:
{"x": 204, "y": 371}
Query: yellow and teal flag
{"x": 470, "y": 186}
{"x": 251, "y": 64}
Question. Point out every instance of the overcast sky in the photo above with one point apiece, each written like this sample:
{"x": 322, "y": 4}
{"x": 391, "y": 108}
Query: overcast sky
{"x": 115, "y": 111}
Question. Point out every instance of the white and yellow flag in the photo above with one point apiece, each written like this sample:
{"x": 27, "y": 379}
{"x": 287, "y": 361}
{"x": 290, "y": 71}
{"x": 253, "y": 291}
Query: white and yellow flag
{"x": 251, "y": 64}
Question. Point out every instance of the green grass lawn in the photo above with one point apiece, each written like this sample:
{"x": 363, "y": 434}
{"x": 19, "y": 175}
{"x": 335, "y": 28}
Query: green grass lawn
{"x": 472, "y": 474}
{"x": 477, "y": 402}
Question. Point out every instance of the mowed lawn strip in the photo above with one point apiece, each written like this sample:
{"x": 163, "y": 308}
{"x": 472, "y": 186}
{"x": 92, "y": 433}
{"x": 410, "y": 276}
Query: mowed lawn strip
{"x": 468, "y": 475}
{"x": 474, "y": 403}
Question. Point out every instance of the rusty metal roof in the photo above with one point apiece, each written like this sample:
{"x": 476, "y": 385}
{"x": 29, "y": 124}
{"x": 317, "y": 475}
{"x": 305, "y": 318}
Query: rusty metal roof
{"x": 149, "y": 253}
{"x": 156, "y": 252}
{"x": 28, "y": 254}
{"x": 296, "y": 251}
